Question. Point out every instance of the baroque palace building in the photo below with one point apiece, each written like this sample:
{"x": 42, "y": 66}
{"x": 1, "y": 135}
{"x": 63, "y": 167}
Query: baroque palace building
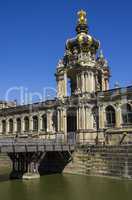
{"x": 87, "y": 111}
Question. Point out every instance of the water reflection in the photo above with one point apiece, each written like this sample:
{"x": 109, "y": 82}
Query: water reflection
{"x": 66, "y": 187}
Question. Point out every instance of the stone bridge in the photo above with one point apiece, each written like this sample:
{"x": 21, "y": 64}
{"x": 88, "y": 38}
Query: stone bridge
{"x": 34, "y": 157}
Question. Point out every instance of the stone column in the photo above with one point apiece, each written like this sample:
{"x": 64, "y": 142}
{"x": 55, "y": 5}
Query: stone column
{"x": 87, "y": 86}
{"x": 77, "y": 118}
{"x": 77, "y": 80}
{"x": 58, "y": 120}
{"x": 48, "y": 120}
{"x": 40, "y": 123}
{"x": 118, "y": 116}
{"x": 83, "y": 117}
{"x": 101, "y": 117}
{"x": 89, "y": 83}
{"x": 82, "y": 80}
{"x": 89, "y": 118}
{"x": 85, "y": 82}
{"x": 80, "y": 117}
{"x": 96, "y": 81}
{"x": 30, "y": 123}
{"x": 65, "y": 83}
{"x": 86, "y": 118}
{"x": 85, "y": 79}
{"x": 0, "y": 126}
{"x": 61, "y": 119}
{"x": 90, "y": 86}
{"x": 22, "y": 125}
{"x": 7, "y": 126}
{"x": 65, "y": 124}
{"x": 14, "y": 126}
{"x": 93, "y": 82}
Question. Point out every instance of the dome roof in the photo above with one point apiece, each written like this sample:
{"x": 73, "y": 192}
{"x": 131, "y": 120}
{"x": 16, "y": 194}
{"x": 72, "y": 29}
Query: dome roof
{"x": 83, "y": 41}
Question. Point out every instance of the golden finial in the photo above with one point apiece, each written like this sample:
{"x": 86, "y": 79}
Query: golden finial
{"x": 82, "y": 17}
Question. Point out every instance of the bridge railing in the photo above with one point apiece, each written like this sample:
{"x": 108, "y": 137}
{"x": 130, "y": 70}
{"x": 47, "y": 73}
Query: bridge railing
{"x": 36, "y": 140}
{"x": 33, "y": 145}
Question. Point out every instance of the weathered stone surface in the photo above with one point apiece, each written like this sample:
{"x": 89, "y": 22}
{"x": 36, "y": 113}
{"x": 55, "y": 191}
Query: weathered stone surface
{"x": 115, "y": 162}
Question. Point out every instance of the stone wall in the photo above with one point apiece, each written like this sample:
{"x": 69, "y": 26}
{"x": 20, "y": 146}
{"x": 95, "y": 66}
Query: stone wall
{"x": 113, "y": 161}
{"x": 4, "y": 161}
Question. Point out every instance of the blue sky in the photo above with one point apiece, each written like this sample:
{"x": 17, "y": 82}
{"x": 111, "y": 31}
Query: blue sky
{"x": 33, "y": 35}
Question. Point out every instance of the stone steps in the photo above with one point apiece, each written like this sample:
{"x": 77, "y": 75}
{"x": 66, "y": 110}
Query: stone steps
{"x": 115, "y": 161}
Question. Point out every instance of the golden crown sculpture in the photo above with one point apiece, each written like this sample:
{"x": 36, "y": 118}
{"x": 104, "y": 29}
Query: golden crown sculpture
{"x": 82, "y": 17}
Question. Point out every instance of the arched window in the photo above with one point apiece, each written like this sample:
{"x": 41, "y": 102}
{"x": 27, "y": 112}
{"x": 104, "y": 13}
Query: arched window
{"x": 110, "y": 116}
{"x": 35, "y": 123}
{"x": 126, "y": 114}
{"x": 18, "y": 125}
{"x": 3, "y": 126}
{"x": 26, "y": 124}
{"x": 44, "y": 122}
{"x": 11, "y": 126}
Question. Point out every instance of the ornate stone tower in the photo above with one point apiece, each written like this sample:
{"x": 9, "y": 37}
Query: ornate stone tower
{"x": 81, "y": 66}
{"x": 87, "y": 71}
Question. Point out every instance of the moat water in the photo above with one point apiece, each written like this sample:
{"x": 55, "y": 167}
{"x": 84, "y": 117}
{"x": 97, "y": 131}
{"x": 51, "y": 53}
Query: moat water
{"x": 64, "y": 187}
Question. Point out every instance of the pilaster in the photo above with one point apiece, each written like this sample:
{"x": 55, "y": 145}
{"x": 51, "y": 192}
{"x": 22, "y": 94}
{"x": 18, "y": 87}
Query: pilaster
{"x": 0, "y": 127}
{"x": 101, "y": 117}
{"x": 7, "y": 124}
{"x": 22, "y": 125}
{"x": 14, "y": 125}
{"x": 49, "y": 120}
{"x": 31, "y": 123}
{"x": 118, "y": 115}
